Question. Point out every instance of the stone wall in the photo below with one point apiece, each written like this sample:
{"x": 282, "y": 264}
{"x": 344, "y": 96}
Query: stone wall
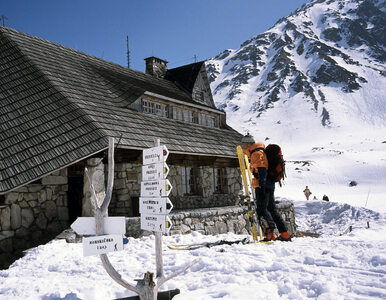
{"x": 33, "y": 215}
{"x": 211, "y": 221}
{"x": 206, "y": 197}
{"x": 127, "y": 188}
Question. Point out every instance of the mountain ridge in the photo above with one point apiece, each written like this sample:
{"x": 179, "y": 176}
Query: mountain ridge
{"x": 328, "y": 57}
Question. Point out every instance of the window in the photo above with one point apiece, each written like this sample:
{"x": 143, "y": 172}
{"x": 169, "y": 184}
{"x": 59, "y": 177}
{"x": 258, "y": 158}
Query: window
{"x": 188, "y": 116}
{"x": 210, "y": 121}
{"x": 183, "y": 115}
{"x": 154, "y": 108}
{"x": 148, "y": 107}
{"x": 160, "y": 110}
{"x": 201, "y": 119}
{"x": 2, "y": 199}
{"x": 219, "y": 183}
{"x": 177, "y": 113}
{"x": 189, "y": 181}
{"x": 207, "y": 120}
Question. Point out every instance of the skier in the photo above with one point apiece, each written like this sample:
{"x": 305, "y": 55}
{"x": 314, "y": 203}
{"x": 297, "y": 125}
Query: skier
{"x": 264, "y": 190}
{"x": 307, "y": 192}
{"x": 325, "y": 198}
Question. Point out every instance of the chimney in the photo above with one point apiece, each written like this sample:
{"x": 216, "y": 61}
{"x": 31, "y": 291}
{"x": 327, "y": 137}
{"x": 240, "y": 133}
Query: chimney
{"x": 156, "y": 67}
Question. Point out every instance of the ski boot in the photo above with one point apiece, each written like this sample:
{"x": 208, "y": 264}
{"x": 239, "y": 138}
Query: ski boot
{"x": 284, "y": 237}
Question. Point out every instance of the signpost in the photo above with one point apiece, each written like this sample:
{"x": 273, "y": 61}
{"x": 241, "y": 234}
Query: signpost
{"x": 155, "y": 188}
{"x": 155, "y": 155}
{"x": 155, "y": 205}
{"x": 155, "y": 171}
{"x": 154, "y": 209}
{"x": 158, "y": 223}
{"x": 112, "y": 225}
{"x": 102, "y": 244}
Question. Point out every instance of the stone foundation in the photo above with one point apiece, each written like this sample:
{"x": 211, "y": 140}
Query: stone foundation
{"x": 33, "y": 215}
{"x": 211, "y": 221}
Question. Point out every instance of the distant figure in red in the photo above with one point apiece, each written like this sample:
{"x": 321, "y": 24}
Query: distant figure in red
{"x": 307, "y": 192}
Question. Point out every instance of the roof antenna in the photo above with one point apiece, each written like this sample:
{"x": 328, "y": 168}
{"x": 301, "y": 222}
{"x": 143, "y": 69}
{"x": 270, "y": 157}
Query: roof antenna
{"x": 128, "y": 51}
{"x": 4, "y": 18}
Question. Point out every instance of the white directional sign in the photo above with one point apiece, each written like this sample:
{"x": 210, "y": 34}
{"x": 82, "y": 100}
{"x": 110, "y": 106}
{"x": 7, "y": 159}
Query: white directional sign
{"x": 155, "y": 155}
{"x": 112, "y": 225}
{"x": 157, "y": 206}
{"x": 158, "y": 223}
{"x": 102, "y": 244}
{"x": 156, "y": 188}
{"x": 155, "y": 171}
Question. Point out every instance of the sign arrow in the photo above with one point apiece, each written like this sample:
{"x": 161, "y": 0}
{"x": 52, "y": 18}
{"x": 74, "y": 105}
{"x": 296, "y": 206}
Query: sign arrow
{"x": 156, "y": 206}
{"x": 112, "y": 225}
{"x": 155, "y": 171}
{"x": 155, "y": 155}
{"x": 156, "y": 188}
{"x": 157, "y": 223}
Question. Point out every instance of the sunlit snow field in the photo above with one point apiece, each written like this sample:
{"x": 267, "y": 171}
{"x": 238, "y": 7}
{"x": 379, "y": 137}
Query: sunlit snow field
{"x": 333, "y": 266}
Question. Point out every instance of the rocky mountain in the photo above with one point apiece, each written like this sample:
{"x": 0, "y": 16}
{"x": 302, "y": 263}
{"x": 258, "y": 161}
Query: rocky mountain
{"x": 325, "y": 63}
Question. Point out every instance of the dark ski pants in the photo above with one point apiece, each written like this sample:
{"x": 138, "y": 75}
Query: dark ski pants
{"x": 266, "y": 208}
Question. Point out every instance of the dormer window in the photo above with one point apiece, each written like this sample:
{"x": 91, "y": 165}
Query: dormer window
{"x": 207, "y": 120}
{"x": 188, "y": 113}
{"x": 177, "y": 113}
{"x": 188, "y": 116}
{"x": 154, "y": 108}
{"x": 181, "y": 114}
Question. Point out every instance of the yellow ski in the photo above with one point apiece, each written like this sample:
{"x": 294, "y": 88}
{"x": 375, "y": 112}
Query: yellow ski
{"x": 240, "y": 154}
{"x": 253, "y": 190}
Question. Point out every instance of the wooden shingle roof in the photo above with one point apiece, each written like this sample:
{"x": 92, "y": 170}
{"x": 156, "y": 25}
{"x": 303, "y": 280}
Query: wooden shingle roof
{"x": 59, "y": 106}
{"x": 185, "y": 76}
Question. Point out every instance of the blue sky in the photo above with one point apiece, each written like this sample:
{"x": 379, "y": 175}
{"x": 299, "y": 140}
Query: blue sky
{"x": 173, "y": 30}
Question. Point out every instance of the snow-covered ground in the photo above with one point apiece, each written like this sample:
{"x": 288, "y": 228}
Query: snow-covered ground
{"x": 351, "y": 266}
{"x": 333, "y": 266}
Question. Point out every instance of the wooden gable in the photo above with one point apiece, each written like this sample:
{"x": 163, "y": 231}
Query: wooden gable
{"x": 201, "y": 89}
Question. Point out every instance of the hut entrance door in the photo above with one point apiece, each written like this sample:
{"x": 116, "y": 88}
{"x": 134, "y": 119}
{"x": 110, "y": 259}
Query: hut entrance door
{"x": 75, "y": 192}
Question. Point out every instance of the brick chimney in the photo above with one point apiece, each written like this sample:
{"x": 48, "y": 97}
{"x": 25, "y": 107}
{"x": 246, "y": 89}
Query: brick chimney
{"x": 156, "y": 66}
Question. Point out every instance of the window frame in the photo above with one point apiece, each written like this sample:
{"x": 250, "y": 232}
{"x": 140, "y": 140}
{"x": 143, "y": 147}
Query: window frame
{"x": 154, "y": 108}
{"x": 189, "y": 181}
{"x": 219, "y": 182}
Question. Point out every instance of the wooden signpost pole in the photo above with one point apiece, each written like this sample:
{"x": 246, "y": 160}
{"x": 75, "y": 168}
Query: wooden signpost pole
{"x": 146, "y": 288}
{"x": 158, "y": 243}
{"x": 100, "y": 213}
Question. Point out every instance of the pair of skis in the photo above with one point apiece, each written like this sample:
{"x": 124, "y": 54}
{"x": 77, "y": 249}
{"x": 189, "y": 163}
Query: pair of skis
{"x": 248, "y": 190}
{"x": 195, "y": 246}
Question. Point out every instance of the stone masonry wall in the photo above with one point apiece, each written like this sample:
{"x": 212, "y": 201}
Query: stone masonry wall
{"x": 206, "y": 197}
{"x": 127, "y": 188}
{"x": 33, "y": 215}
{"x": 211, "y": 221}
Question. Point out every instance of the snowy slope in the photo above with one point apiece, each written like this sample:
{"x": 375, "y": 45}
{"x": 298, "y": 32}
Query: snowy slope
{"x": 351, "y": 266}
{"x": 323, "y": 65}
{"x": 315, "y": 84}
